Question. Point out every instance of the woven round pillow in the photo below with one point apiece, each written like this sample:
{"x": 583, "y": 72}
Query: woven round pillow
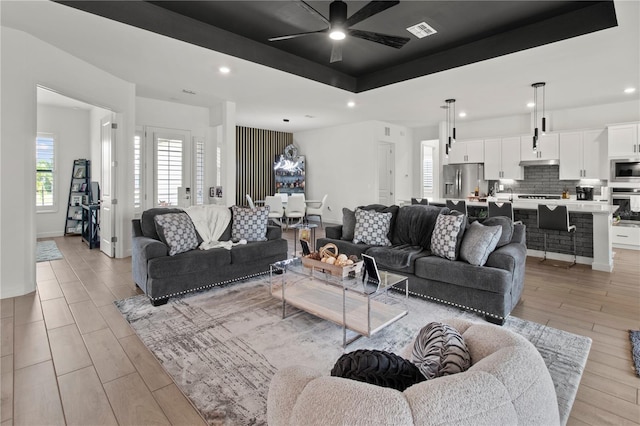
{"x": 377, "y": 368}
{"x": 439, "y": 350}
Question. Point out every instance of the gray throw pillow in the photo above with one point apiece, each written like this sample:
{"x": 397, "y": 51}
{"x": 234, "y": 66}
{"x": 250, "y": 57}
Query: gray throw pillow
{"x": 439, "y": 350}
{"x": 444, "y": 240}
{"x": 249, "y": 224}
{"x": 176, "y": 230}
{"x": 372, "y": 228}
{"x": 478, "y": 243}
{"x": 507, "y": 228}
{"x": 348, "y": 224}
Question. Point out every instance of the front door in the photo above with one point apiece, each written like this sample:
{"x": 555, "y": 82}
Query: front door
{"x": 386, "y": 172}
{"x": 108, "y": 201}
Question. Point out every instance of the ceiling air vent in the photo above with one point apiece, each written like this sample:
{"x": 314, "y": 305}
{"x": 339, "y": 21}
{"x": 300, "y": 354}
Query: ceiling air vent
{"x": 421, "y": 30}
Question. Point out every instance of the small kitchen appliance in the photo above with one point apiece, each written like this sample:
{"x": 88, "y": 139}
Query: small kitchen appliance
{"x": 584, "y": 193}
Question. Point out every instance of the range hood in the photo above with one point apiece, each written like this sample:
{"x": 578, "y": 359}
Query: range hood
{"x": 526, "y": 163}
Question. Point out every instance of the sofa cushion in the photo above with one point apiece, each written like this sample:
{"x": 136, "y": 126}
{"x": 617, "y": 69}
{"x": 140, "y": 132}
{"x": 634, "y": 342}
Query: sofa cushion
{"x": 446, "y": 234}
{"x": 397, "y": 258}
{"x": 463, "y": 274}
{"x": 439, "y": 350}
{"x": 176, "y": 230}
{"x": 203, "y": 262}
{"x": 507, "y": 228}
{"x": 372, "y": 228}
{"x": 378, "y": 368}
{"x": 148, "y": 224}
{"x": 249, "y": 224}
{"x": 478, "y": 243}
{"x": 414, "y": 225}
{"x": 348, "y": 224}
{"x": 253, "y": 252}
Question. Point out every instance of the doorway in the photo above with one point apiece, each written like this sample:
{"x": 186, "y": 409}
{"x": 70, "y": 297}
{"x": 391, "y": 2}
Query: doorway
{"x": 429, "y": 169}
{"x": 386, "y": 173}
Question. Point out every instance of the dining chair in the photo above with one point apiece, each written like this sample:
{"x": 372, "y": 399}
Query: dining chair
{"x": 250, "y": 201}
{"x": 275, "y": 209}
{"x": 315, "y": 208}
{"x": 556, "y": 218}
{"x": 457, "y": 205}
{"x": 295, "y": 209}
{"x": 423, "y": 201}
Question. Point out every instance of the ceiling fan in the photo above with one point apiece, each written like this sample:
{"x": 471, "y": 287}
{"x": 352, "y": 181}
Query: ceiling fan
{"x": 340, "y": 26}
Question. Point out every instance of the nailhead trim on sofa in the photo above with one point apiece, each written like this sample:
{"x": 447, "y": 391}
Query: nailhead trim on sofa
{"x": 204, "y": 287}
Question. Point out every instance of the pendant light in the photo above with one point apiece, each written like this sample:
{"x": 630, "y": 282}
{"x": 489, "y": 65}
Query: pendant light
{"x": 451, "y": 125}
{"x": 537, "y": 86}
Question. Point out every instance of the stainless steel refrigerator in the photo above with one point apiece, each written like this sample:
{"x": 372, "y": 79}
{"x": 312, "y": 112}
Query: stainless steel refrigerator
{"x": 461, "y": 180}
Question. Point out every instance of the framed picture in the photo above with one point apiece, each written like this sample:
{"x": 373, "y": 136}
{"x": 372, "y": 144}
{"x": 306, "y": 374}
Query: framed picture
{"x": 218, "y": 191}
{"x": 212, "y": 191}
{"x": 79, "y": 174}
{"x": 371, "y": 273}
{"x": 75, "y": 187}
{"x": 83, "y": 187}
{"x": 76, "y": 200}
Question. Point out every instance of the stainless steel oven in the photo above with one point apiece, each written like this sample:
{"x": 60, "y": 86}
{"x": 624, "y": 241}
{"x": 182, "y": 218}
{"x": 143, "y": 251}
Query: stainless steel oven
{"x": 627, "y": 200}
{"x": 625, "y": 170}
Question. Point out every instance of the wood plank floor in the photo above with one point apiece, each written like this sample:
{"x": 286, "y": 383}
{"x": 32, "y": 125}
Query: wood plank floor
{"x": 68, "y": 357}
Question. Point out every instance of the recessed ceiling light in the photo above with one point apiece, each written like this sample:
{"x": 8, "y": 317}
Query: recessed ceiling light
{"x": 629, "y": 90}
{"x": 531, "y": 105}
{"x": 351, "y": 104}
{"x": 462, "y": 114}
{"x": 224, "y": 70}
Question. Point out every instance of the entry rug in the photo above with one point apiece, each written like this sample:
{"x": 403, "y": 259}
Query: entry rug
{"x": 222, "y": 346}
{"x": 46, "y": 251}
{"x": 634, "y": 335}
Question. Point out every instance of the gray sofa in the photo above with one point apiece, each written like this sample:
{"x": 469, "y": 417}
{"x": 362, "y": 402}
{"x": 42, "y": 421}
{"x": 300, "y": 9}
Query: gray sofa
{"x": 161, "y": 276}
{"x": 492, "y": 290}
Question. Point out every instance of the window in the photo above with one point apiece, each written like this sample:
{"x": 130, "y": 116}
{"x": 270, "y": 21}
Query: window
{"x": 427, "y": 171}
{"x": 218, "y": 166}
{"x": 199, "y": 171}
{"x": 168, "y": 169}
{"x": 137, "y": 171}
{"x": 45, "y": 172}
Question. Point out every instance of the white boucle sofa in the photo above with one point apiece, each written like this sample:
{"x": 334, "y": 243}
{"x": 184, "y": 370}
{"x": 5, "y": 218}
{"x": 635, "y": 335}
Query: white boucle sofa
{"x": 507, "y": 384}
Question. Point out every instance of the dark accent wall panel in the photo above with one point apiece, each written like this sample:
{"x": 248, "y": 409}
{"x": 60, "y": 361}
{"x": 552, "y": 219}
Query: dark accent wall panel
{"x": 256, "y": 150}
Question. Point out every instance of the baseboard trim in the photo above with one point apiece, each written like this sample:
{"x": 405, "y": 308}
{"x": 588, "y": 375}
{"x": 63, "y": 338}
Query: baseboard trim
{"x": 560, "y": 256}
{"x": 51, "y": 234}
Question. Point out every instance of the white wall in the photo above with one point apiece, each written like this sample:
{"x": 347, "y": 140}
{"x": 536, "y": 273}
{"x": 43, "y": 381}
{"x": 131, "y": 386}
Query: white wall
{"x": 26, "y": 62}
{"x": 71, "y": 130}
{"x": 342, "y": 162}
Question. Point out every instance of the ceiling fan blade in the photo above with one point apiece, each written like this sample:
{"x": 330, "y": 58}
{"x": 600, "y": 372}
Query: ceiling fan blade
{"x": 311, "y": 10}
{"x": 336, "y": 53}
{"x": 388, "y": 40}
{"x": 290, "y": 36}
{"x": 370, "y": 9}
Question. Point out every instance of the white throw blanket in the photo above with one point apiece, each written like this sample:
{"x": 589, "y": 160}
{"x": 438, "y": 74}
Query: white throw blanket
{"x": 210, "y": 221}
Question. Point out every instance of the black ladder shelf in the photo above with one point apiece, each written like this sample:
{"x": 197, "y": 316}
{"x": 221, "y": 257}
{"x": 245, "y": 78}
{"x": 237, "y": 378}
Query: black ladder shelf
{"x": 78, "y": 194}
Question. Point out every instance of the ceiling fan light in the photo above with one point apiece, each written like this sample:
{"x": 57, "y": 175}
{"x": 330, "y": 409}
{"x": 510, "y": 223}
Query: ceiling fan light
{"x": 337, "y": 35}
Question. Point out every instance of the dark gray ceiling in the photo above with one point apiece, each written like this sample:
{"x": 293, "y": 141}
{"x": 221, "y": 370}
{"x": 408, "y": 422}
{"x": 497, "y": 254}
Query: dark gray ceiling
{"x": 468, "y": 32}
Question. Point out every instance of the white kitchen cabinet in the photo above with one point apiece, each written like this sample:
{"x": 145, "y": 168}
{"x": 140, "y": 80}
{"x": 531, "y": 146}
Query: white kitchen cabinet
{"x": 471, "y": 151}
{"x": 502, "y": 158}
{"x": 625, "y": 237}
{"x": 582, "y": 155}
{"x": 624, "y": 140}
{"x": 548, "y": 147}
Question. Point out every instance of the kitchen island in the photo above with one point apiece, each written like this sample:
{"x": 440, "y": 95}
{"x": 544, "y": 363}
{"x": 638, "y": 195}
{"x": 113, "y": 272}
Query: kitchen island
{"x": 593, "y": 220}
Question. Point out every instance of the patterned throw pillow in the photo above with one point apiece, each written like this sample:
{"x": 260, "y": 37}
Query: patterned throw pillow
{"x": 176, "y": 230}
{"x": 249, "y": 224}
{"x": 444, "y": 240}
{"x": 377, "y": 368}
{"x": 478, "y": 243}
{"x": 372, "y": 228}
{"x": 439, "y": 350}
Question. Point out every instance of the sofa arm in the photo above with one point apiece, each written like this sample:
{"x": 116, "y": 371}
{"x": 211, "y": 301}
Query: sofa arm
{"x": 508, "y": 257}
{"x": 136, "y": 228}
{"x": 333, "y": 232}
{"x": 284, "y": 389}
{"x": 274, "y": 232}
{"x": 142, "y": 250}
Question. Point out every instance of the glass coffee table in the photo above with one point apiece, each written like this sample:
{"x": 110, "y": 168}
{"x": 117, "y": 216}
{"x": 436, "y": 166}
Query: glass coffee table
{"x": 362, "y": 308}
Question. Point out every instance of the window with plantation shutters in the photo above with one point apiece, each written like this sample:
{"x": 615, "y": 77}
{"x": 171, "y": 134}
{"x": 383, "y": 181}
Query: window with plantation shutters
{"x": 169, "y": 167}
{"x": 137, "y": 171}
{"x": 45, "y": 172}
{"x": 427, "y": 171}
{"x": 199, "y": 172}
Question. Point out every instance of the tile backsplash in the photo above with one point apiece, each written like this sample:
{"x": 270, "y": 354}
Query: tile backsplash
{"x": 545, "y": 180}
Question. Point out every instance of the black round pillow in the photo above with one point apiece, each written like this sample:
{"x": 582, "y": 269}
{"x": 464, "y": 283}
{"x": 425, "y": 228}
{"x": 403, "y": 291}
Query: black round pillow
{"x": 378, "y": 368}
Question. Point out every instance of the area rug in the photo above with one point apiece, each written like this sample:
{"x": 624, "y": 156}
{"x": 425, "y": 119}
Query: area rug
{"x": 46, "y": 251}
{"x": 223, "y": 346}
{"x": 634, "y": 335}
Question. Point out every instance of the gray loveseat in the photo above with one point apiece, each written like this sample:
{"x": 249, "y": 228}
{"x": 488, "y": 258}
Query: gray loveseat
{"x": 492, "y": 290}
{"x": 161, "y": 276}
